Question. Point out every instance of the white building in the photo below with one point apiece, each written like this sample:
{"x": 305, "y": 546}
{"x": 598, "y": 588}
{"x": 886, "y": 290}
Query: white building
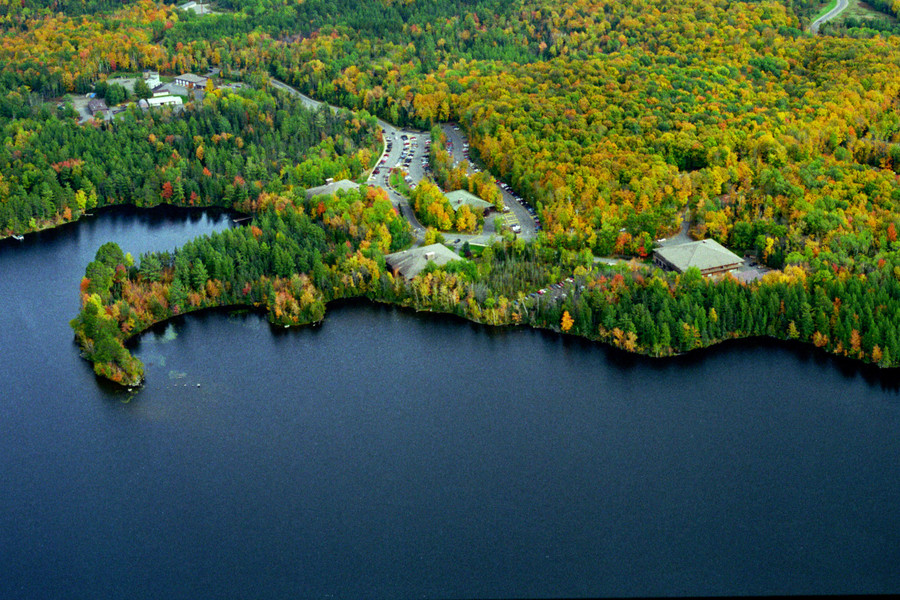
{"x": 198, "y": 7}
{"x": 151, "y": 78}
{"x": 160, "y": 101}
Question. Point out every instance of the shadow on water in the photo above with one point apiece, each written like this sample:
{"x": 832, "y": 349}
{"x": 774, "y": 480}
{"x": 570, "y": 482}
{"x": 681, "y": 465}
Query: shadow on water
{"x": 156, "y": 219}
{"x": 887, "y": 380}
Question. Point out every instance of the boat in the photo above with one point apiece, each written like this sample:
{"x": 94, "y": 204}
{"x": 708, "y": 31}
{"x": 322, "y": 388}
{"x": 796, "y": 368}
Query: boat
{"x": 19, "y": 237}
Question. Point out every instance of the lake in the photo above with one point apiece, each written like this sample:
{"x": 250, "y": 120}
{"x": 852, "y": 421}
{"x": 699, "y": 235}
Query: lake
{"x": 389, "y": 454}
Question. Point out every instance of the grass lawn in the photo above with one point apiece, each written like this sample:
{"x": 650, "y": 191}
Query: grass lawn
{"x": 398, "y": 183}
{"x": 476, "y": 249}
{"x": 824, "y": 10}
{"x": 861, "y": 10}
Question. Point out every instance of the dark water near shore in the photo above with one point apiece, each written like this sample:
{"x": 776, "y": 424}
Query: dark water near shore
{"x": 390, "y": 454}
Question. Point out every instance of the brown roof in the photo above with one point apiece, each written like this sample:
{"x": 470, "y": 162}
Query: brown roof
{"x": 97, "y": 104}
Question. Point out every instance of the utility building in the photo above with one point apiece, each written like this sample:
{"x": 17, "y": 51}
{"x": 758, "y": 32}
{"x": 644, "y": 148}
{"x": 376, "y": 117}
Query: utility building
{"x": 709, "y": 256}
{"x": 191, "y": 81}
{"x": 160, "y": 100}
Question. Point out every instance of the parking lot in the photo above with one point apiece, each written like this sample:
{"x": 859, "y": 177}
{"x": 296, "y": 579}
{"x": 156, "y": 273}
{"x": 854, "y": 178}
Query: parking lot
{"x": 408, "y": 150}
{"x": 521, "y": 219}
{"x": 404, "y": 149}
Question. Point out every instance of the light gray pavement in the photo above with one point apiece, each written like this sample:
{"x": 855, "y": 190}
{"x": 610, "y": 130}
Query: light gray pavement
{"x": 389, "y": 158}
{"x": 831, "y": 14}
{"x": 459, "y": 152}
{"x": 125, "y": 82}
{"x": 80, "y": 104}
{"x": 415, "y": 151}
{"x": 681, "y": 237}
{"x": 396, "y": 152}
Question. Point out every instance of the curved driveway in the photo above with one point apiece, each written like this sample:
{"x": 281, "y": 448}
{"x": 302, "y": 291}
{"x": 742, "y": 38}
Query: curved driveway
{"x": 416, "y": 152}
{"x": 458, "y": 143}
{"x": 841, "y": 5}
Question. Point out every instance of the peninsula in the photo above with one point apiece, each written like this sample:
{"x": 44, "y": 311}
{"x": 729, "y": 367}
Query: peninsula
{"x": 566, "y": 152}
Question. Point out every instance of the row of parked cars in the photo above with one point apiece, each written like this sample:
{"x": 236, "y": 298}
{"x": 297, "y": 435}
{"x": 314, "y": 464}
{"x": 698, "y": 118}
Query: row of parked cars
{"x": 554, "y": 286}
{"x": 531, "y": 211}
{"x": 410, "y": 144}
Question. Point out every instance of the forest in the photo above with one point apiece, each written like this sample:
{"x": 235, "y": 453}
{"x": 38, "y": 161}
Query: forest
{"x": 296, "y": 255}
{"x": 223, "y": 152}
{"x": 617, "y": 121}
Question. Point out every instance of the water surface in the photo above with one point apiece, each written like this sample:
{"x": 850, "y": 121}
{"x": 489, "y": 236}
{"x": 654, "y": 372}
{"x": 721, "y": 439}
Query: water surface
{"x": 393, "y": 454}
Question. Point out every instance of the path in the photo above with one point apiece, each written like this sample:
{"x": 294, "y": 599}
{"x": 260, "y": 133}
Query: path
{"x": 519, "y": 214}
{"x": 394, "y": 155}
{"x": 841, "y": 5}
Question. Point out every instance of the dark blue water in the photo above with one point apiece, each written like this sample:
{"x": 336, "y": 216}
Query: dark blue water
{"x": 389, "y": 454}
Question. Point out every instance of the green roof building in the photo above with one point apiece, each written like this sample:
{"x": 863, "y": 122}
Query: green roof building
{"x": 332, "y": 187}
{"x": 460, "y": 197}
{"x": 410, "y": 263}
{"x": 707, "y": 255}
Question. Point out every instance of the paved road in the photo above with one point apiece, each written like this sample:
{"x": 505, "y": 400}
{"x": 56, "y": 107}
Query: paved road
{"x": 841, "y": 5}
{"x": 682, "y": 236}
{"x": 409, "y": 154}
{"x": 306, "y": 100}
{"x": 519, "y": 214}
{"x": 389, "y": 158}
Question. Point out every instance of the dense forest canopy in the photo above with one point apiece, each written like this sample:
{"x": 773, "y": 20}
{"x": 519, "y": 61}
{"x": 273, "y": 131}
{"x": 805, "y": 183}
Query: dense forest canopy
{"x": 224, "y": 151}
{"x": 604, "y": 114}
{"x": 617, "y": 121}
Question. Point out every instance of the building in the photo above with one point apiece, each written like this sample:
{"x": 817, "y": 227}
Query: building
{"x": 98, "y": 105}
{"x": 460, "y": 197}
{"x": 160, "y": 100}
{"x": 191, "y": 81}
{"x": 409, "y": 263}
{"x": 198, "y": 7}
{"x": 709, "y": 256}
{"x": 331, "y": 187}
{"x": 151, "y": 78}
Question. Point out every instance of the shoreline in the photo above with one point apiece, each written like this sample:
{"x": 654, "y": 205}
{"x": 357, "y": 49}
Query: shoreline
{"x": 846, "y": 362}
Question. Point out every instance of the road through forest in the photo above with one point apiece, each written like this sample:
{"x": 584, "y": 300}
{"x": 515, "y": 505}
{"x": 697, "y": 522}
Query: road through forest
{"x": 841, "y": 5}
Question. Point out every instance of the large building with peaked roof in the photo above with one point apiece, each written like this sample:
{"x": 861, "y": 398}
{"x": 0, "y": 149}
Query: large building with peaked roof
{"x": 709, "y": 256}
{"x": 191, "y": 81}
{"x": 332, "y": 187}
{"x": 460, "y": 197}
{"x": 410, "y": 263}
